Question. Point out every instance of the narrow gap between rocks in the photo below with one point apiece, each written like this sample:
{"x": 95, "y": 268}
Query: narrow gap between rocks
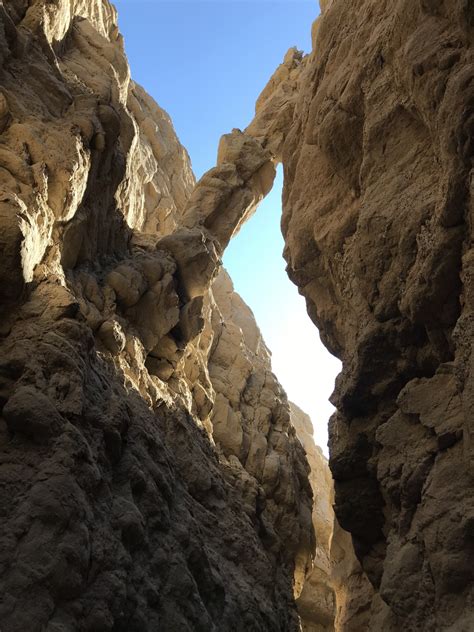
{"x": 301, "y": 362}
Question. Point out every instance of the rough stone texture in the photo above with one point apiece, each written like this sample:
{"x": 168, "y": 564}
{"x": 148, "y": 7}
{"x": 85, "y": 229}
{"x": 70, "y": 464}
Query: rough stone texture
{"x": 374, "y": 129}
{"x": 377, "y": 222}
{"x": 138, "y": 455}
{"x": 317, "y": 602}
{"x": 251, "y": 427}
{"x": 150, "y": 477}
{"x": 357, "y": 605}
{"x": 336, "y": 596}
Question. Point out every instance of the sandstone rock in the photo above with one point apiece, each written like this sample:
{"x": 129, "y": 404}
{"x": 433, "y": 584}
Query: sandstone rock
{"x": 317, "y": 602}
{"x": 367, "y": 111}
{"x": 161, "y": 368}
{"x": 154, "y": 200}
{"x": 251, "y": 423}
{"x": 166, "y": 349}
{"x": 226, "y": 426}
{"x": 197, "y": 259}
{"x": 112, "y": 336}
{"x": 374, "y": 244}
{"x": 336, "y": 594}
{"x": 156, "y": 313}
{"x": 31, "y": 413}
{"x": 115, "y": 475}
{"x": 227, "y": 195}
{"x": 165, "y": 479}
{"x": 191, "y": 321}
{"x": 4, "y": 113}
{"x": 128, "y": 284}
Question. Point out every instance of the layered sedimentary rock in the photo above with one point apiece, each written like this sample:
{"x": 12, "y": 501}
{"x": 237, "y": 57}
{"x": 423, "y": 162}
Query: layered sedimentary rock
{"x": 150, "y": 476}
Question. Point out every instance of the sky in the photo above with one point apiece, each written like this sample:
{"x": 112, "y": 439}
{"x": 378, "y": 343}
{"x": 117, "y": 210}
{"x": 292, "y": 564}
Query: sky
{"x": 205, "y": 63}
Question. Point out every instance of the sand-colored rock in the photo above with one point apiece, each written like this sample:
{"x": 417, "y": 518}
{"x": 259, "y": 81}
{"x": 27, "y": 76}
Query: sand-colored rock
{"x": 317, "y": 603}
{"x": 377, "y": 203}
{"x": 375, "y": 141}
{"x": 337, "y": 596}
{"x": 253, "y": 427}
{"x": 151, "y": 477}
{"x": 148, "y": 451}
{"x": 228, "y": 195}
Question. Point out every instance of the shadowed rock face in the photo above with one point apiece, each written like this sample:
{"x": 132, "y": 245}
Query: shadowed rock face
{"x": 337, "y": 595}
{"x": 377, "y": 223}
{"x": 374, "y": 129}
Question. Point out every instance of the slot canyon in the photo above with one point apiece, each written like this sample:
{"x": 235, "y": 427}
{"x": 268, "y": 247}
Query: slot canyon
{"x": 154, "y": 476}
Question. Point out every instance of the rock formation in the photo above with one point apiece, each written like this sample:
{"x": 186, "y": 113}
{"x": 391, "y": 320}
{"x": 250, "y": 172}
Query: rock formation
{"x": 150, "y": 476}
{"x": 317, "y": 602}
{"x": 374, "y": 130}
{"x": 148, "y": 453}
{"x": 377, "y": 223}
{"x": 337, "y": 594}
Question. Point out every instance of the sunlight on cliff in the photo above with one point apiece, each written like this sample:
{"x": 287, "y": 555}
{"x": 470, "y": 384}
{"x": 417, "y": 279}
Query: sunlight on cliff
{"x": 299, "y": 359}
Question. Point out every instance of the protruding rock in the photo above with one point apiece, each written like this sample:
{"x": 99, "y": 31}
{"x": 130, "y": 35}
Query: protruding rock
{"x": 191, "y": 320}
{"x": 112, "y": 336}
{"x": 161, "y": 368}
{"x": 31, "y": 413}
{"x": 128, "y": 284}
{"x": 4, "y": 113}
{"x": 227, "y": 195}
{"x": 197, "y": 258}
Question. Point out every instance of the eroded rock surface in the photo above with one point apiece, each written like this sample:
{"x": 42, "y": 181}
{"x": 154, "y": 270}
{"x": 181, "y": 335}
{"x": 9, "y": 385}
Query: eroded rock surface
{"x": 377, "y": 222}
{"x": 150, "y": 477}
{"x": 317, "y": 602}
{"x": 374, "y": 129}
{"x": 147, "y": 450}
{"x": 337, "y": 595}
{"x": 254, "y": 429}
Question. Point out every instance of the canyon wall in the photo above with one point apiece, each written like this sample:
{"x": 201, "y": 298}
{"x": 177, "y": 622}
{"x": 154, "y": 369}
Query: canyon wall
{"x": 374, "y": 130}
{"x": 337, "y": 595}
{"x": 317, "y": 602}
{"x": 377, "y": 222}
{"x": 150, "y": 475}
{"x": 148, "y": 452}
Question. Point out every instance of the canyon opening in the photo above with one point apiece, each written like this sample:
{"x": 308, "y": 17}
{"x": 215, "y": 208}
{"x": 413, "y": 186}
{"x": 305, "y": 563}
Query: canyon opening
{"x": 154, "y": 475}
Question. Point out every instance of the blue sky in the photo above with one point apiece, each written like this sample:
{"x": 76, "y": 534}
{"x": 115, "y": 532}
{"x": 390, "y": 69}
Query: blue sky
{"x": 206, "y": 62}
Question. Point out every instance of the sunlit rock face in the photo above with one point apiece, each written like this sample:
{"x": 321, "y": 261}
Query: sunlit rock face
{"x": 377, "y": 223}
{"x": 151, "y": 478}
{"x": 374, "y": 131}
